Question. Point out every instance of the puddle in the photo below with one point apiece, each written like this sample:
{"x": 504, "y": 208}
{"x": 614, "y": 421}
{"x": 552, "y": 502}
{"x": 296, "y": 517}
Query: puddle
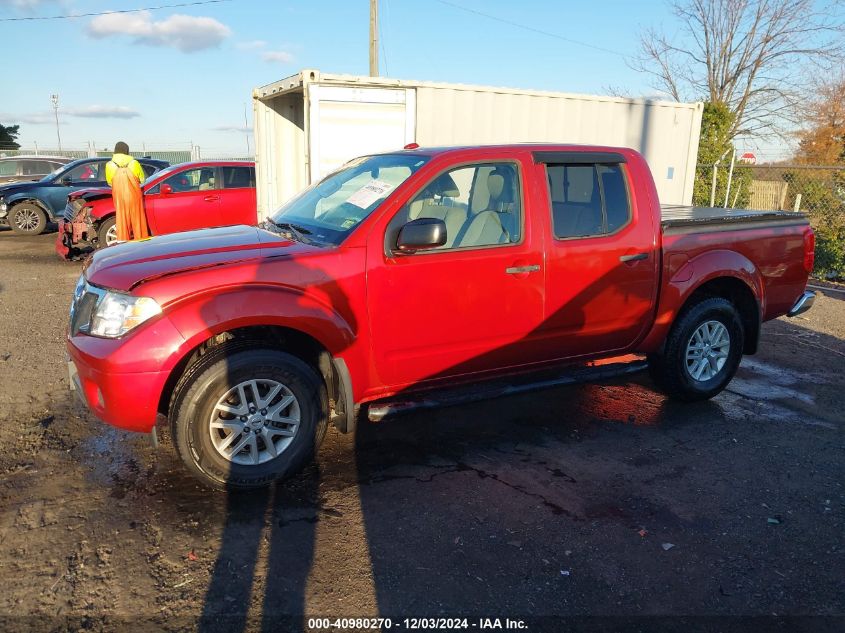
{"x": 760, "y": 381}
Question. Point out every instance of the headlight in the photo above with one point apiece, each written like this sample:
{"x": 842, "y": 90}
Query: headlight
{"x": 117, "y": 313}
{"x": 3, "y": 206}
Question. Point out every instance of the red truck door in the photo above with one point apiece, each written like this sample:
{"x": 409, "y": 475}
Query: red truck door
{"x": 471, "y": 305}
{"x": 185, "y": 201}
{"x": 602, "y": 257}
{"x": 237, "y": 197}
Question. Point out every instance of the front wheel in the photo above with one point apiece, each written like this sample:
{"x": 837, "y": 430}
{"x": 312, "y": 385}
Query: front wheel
{"x": 702, "y": 351}
{"x": 246, "y": 418}
{"x": 27, "y": 218}
{"x": 107, "y": 233}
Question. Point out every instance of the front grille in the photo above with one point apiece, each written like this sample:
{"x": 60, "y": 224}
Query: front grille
{"x": 72, "y": 209}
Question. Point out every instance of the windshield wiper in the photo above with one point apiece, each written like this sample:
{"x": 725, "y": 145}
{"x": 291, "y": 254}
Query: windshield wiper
{"x": 294, "y": 231}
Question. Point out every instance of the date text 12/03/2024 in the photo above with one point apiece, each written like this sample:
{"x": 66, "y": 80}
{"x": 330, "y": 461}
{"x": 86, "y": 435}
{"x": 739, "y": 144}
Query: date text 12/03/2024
{"x": 417, "y": 624}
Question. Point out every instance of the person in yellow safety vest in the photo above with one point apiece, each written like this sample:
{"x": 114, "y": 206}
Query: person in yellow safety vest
{"x": 125, "y": 176}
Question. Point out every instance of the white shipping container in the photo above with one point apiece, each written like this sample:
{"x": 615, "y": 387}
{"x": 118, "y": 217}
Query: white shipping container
{"x": 311, "y": 123}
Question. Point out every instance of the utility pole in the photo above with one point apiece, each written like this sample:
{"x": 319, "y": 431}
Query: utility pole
{"x": 246, "y": 130}
{"x": 373, "y": 38}
{"x": 55, "y": 99}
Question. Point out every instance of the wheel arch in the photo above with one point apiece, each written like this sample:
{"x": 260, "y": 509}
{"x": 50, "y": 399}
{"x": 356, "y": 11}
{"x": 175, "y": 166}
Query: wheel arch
{"x": 304, "y": 346}
{"x": 740, "y": 294}
{"x": 717, "y": 273}
{"x": 13, "y": 202}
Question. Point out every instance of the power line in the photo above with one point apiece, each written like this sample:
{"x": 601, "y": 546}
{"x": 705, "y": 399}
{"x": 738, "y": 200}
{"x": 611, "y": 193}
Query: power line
{"x": 89, "y": 15}
{"x": 532, "y": 29}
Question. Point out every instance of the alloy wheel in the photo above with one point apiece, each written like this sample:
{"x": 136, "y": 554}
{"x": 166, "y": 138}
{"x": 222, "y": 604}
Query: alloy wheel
{"x": 254, "y": 421}
{"x": 27, "y": 219}
{"x": 707, "y": 350}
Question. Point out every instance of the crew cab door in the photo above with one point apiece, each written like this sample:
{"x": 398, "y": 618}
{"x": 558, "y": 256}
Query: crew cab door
{"x": 237, "y": 196}
{"x": 602, "y": 257}
{"x": 471, "y": 305}
{"x": 185, "y": 201}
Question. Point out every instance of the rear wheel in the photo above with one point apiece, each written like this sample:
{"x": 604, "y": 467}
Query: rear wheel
{"x": 702, "y": 352}
{"x": 27, "y": 218}
{"x": 246, "y": 418}
{"x": 107, "y": 233}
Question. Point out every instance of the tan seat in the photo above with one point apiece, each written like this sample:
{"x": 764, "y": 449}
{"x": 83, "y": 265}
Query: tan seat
{"x": 496, "y": 223}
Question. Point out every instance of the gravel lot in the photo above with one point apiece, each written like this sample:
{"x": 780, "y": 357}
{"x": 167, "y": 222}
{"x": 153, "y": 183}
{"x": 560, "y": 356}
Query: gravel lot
{"x": 592, "y": 500}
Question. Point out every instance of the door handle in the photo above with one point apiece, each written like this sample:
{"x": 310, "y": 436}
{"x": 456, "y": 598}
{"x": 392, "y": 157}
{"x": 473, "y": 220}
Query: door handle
{"x": 633, "y": 258}
{"x": 211, "y": 198}
{"x": 518, "y": 270}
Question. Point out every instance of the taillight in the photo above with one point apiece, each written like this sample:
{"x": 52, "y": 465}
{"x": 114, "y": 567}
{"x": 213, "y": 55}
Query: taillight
{"x": 809, "y": 250}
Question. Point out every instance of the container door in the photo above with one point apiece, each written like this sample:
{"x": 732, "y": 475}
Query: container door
{"x": 350, "y": 122}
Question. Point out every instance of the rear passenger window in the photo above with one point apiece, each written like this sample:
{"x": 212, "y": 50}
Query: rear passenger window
{"x": 238, "y": 177}
{"x": 587, "y": 200}
{"x": 480, "y": 205}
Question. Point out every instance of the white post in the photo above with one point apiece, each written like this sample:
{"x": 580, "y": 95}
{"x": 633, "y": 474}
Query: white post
{"x": 713, "y": 186}
{"x": 730, "y": 177}
{"x": 797, "y": 206}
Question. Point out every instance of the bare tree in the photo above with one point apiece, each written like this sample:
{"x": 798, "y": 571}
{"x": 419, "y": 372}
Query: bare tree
{"x": 756, "y": 56}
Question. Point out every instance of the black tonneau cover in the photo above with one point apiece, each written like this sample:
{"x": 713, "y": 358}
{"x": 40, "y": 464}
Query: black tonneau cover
{"x": 688, "y": 219}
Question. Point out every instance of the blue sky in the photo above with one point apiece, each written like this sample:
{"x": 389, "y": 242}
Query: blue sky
{"x": 170, "y": 77}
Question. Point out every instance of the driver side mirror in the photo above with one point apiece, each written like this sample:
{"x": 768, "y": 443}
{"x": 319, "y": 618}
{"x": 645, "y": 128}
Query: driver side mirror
{"x": 166, "y": 189}
{"x": 66, "y": 181}
{"x": 421, "y": 234}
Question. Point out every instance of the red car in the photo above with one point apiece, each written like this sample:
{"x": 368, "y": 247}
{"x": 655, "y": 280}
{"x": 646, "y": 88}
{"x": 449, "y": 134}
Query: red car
{"x": 184, "y": 197}
{"x": 416, "y": 271}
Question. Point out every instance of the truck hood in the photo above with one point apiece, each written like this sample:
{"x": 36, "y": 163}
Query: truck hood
{"x": 92, "y": 193}
{"x": 125, "y": 266}
{"x": 19, "y": 186}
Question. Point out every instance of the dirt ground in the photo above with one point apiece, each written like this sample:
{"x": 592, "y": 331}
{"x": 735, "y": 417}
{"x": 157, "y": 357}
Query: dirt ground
{"x": 593, "y": 500}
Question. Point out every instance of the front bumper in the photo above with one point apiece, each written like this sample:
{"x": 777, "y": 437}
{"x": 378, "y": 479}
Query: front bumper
{"x": 121, "y": 380}
{"x": 804, "y": 303}
{"x": 127, "y": 401}
{"x": 63, "y": 245}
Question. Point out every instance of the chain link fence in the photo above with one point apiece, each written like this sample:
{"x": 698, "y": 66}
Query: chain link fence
{"x": 172, "y": 156}
{"x": 818, "y": 191}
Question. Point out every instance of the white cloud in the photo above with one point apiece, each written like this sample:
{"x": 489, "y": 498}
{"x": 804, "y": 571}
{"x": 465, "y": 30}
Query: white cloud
{"x": 232, "y": 128}
{"x": 184, "y": 32}
{"x": 251, "y": 45}
{"x": 103, "y": 112}
{"x": 36, "y": 118}
{"x": 24, "y": 5}
{"x": 281, "y": 57}
{"x": 48, "y": 117}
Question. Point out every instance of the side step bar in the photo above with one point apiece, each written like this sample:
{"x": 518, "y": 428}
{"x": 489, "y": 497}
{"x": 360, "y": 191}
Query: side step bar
{"x": 477, "y": 392}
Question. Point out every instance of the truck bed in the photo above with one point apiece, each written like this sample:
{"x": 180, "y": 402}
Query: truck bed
{"x": 689, "y": 219}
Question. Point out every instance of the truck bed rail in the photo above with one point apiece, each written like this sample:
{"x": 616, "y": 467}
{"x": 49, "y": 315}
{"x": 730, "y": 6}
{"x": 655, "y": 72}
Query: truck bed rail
{"x": 690, "y": 219}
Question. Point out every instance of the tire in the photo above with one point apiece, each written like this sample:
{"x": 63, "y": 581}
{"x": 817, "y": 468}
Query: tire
{"x": 27, "y": 218}
{"x": 222, "y": 379}
{"x": 703, "y": 375}
{"x": 106, "y": 226}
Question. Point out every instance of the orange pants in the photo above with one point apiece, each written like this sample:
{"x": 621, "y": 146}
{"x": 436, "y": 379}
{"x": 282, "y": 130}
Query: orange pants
{"x": 131, "y": 221}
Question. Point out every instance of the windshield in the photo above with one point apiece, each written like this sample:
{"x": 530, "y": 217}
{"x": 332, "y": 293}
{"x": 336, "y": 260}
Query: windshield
{"x": 62, "y": 169}
{"x": 329, "y": 210}
{"x": 164, "y": 173}
{"x": 54, "y": 173}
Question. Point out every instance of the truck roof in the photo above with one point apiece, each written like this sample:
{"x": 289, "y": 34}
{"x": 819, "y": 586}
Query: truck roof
{"x": 531, "y": 147}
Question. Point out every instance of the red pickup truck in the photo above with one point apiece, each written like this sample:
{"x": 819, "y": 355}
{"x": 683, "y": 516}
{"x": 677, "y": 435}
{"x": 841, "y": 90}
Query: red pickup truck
{"x": 415, "y": 271}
